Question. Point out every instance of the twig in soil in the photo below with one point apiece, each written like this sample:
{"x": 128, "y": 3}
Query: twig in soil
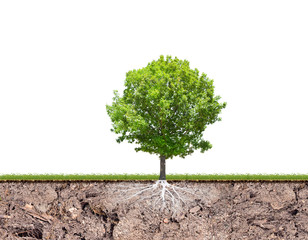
{"x": 44, "y": 217}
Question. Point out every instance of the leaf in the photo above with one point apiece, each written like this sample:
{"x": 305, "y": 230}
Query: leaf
{"x": 165, "y": 108}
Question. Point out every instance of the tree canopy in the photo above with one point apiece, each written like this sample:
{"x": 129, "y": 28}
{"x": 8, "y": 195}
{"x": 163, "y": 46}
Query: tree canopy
{"x": 165, "y": 108}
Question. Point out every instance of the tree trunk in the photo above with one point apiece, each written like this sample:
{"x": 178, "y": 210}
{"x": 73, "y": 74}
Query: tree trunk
{"x": 162, "y": 168}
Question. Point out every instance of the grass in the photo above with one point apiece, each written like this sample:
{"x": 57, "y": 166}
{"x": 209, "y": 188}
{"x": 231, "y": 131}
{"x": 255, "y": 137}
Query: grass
{"x": 132, "y": 177}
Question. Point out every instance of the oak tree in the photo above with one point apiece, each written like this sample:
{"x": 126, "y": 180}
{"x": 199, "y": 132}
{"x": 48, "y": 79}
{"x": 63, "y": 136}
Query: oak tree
{"x": 165, "y": 108}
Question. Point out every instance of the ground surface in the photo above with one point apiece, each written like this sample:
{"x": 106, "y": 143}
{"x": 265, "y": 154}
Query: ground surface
{"x": 92, "y": 211}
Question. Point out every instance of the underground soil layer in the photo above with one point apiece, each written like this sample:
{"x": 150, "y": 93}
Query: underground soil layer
{"x": 106, "y": 210}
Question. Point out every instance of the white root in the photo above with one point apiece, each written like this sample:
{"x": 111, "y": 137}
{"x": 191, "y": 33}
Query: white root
{"x": 171, "y": 197}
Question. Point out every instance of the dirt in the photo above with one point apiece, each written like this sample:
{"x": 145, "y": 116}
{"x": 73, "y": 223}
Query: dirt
{"x": 93, "y": 211}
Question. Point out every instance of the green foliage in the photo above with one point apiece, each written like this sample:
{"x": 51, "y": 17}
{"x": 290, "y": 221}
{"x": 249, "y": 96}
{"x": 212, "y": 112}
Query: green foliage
{"x": 165, "y": 108}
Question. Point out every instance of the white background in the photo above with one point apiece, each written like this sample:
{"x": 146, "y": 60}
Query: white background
{"x": 61, "y": 60}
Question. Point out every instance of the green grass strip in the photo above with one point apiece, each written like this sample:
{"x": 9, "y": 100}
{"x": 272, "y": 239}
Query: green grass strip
{"x": 183, "y": 177}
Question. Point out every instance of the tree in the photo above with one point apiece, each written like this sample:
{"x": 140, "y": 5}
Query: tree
{"x": 165, "y": 108}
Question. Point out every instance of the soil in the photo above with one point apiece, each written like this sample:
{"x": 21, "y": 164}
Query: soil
{"x": 93, "y": 210}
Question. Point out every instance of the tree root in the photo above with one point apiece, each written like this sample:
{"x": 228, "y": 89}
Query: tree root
{"x": 163, "y": 196}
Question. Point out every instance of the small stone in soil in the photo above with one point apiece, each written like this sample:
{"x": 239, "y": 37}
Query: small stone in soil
{"x": 166, "y": 220}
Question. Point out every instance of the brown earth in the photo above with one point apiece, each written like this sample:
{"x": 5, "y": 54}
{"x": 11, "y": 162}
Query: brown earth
{"x": 92, "y": 211}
